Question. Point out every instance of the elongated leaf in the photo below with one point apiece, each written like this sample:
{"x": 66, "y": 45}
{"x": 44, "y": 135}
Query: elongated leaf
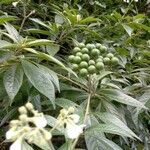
{"x": 13, "y": 32}
{"x": 119, "y": 96}
{"x": 113, "y": 120}
{"x": 96, "y": 142}
{"x": 13, "y": 78}
{"x": 53, "y": 49}
{"x": 5, "y": 18}
{"x": 40, "y": 80}
{"x": 128, "y": 29}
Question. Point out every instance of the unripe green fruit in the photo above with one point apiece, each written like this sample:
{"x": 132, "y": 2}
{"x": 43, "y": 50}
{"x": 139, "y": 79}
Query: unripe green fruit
{"x": 100, "y": 57}
{"x": 91, "y": 69}
{"x": 99, "y": 60}
{"x": 95, "y": 52}
{"x": 71, "y": 58}
{"x": 81, "y": 45}
{"x": 76, "y": 49}
{"x": 75, "y": 67}
{"x": 103, "y": 48}
{"x": 83, "y": 64}
{"x": 106, "y": 60}
{"x": 98, "y": 45}
{"x": 77, "y": 59}
{"x": 115, "y": 60}
{"x": 85, "y": 57}
{"x": 90, "y": 46}
{"x": 83, "y": 72}
{"x": 85, "y": 50}
{"x": 99, "y": 65}
{"x": 91, "y": 62}
{"x": 79, "y": 54}
{"x": 110, "y": 55}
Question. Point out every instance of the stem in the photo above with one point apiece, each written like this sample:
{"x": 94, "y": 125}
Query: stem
{"x": 85, "y": 117}
{"x": 51, "y": 145}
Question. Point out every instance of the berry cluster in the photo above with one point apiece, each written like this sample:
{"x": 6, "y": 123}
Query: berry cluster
{"x": 91, "y": 58}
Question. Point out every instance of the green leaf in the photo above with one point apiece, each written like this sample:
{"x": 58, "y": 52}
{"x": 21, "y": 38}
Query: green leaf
{"x": 103, "y": 74}
{"x": 109, "y": 118}
{"x": 119, "y": 96}
{"x": 4, "y": 44}
{"x": 40, "y": 80}
{"x": 13, "y": 78}
{"x": 128, "y": 29}
{"x": 13, "y": 32}
{"x": 53, "y": 49}
{"x": 5, "y": 18}
{"x": 96, "y": 142}
{"x": 89, "y": 20}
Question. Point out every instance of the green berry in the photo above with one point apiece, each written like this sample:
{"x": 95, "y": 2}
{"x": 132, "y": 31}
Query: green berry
{"x": 83, "y": 72}
{"x": 95, "y": 52}
{"x": 91, "y": 69}
{"x": 71, "y": 58}
{"x": 85, "y": 50}
{"x": 100, "y": 57}
{"x": 91, "y": 62}
{"x": 110, "y": 55}
{"x": 90, "y": 46}
{"x": 76, "y": 49}
{"x": 99, "y": 65}
{"x": 75, "y": 67}
{"x": 106, "y": 60}
{"x": 85, "y": 57}
{"x": 81, "y": 45}
{"x": 115, "y": 60}
{"x": 77, "y": 59}
{"x": 79, "y": 54}
{"x": 83, "y": 64}
{"x": 103, "y": 48}
{"x": 99, "y": 60}
{"x": 98, "y": 45}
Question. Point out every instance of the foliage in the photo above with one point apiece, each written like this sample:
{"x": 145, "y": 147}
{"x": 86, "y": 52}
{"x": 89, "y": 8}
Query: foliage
{"x": 36, "y": 39}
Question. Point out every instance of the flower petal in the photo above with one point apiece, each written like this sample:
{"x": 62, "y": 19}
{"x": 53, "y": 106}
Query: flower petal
{"x": 75, "y": 118}
{"x": 10, "y": 134}
{"x": 40, "y": 122}
{"x": 17, "y": 144}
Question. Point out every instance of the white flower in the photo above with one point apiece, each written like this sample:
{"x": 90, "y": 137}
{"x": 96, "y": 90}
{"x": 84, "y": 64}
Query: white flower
{"x": 73, "y": 130}
{"x": 40, "y": 121}
{"x": 75, "y": 118}
{"x": 11, "y": 134}
{"x": 15, "y": 3}
{"x": 17, "y": 144}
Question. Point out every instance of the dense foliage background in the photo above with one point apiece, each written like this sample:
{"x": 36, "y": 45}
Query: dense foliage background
{"x": 36, "y": 38}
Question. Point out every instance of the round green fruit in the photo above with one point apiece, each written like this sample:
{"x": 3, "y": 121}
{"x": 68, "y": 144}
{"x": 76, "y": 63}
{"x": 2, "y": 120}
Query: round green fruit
{"x": 81, "y": 45}
{"x": 85, "y": 57}
{"x": 103, "y": 48}
{"x": 98, "y": 45}
{"x": 71, "y": 58}
{"x": 83, "y": 72}
{"x": 77, "y": 59}
{"x": 79, "y": 54}
{"x": 100, "y": 57}
{"x": 91, "y": 62}
{"x": 76, "y": 49}
{"x": 85, "y": 50}
{"x": 106, "y": 60}
{"x": 75, "y": 67}
{"x": 95, "y": 52}
{"x": 110, "y": 55}
{"x": 99, "y": 60}
{"x": 90, "y": 46}
{"x": 91, "y": 69}
{"x": 83, "y": 64}
{"x": 114, "y": 60}
{"x": 99, "y": 65}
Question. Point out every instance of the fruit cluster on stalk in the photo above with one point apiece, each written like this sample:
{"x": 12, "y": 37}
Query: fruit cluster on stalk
{"x": 91, "y": 58}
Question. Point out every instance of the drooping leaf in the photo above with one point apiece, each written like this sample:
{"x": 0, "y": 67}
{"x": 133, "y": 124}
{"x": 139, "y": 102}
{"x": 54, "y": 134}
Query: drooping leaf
{"x": 13, "y": 78}
{"x": 41, "y": 81}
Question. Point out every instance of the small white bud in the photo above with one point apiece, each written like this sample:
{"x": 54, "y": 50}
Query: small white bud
{"x": 71, "y": 109}
{"x": 29, "y": 106}
{"x": 22, "y": 110}
{"x": 23, "y": 118}
{"x": 63, "y": 112}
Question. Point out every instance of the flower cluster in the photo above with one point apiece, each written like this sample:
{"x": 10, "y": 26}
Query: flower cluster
{"x": 69, "y": 121}
{"x": 27, "y": 127}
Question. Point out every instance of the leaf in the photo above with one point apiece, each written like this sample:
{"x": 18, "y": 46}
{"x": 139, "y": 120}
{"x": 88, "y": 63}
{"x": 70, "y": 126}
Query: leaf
{"x": 40, "y": 80}
{"x": 13, "y": 32}
{"x": 59, "y": 19}
{"x": 103, "y": 74}
{"x": 4, "y": 43}
{"x": 109, "y": 118}
{"x": 119, "y": 96}
{"x": 89, "y": 20}
{"x": 96, "y": 142}
{"x": 7, "y": 18}
{"x": 13, "y": 78}
{"x": 39, "y": 42}
{"x": 128, "y": 29}
{"x": 53, "y": 49}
